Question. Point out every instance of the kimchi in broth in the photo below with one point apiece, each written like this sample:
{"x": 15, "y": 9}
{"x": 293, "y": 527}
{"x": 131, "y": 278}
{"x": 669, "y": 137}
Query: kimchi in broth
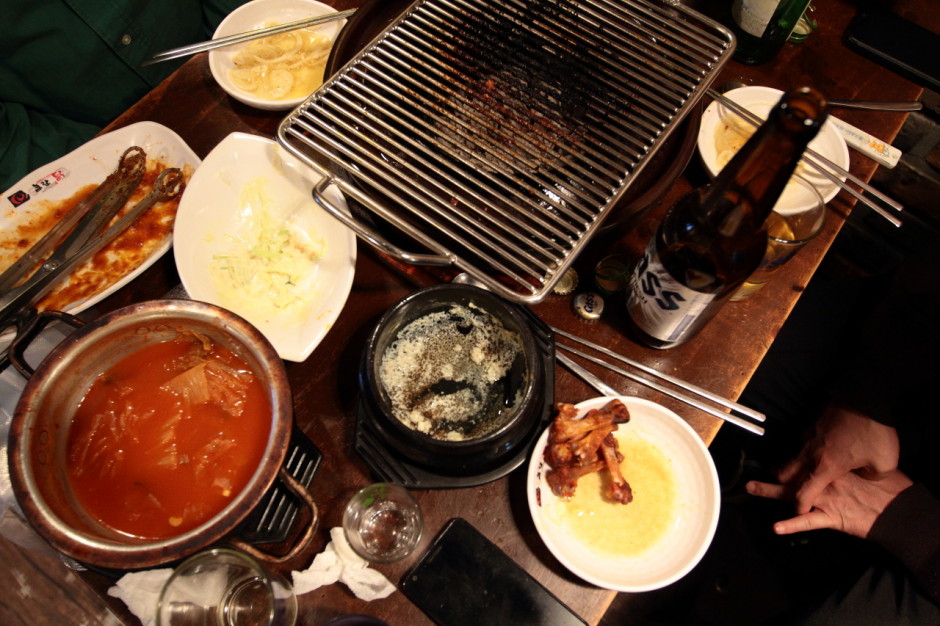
{"x": 166, "y": 437}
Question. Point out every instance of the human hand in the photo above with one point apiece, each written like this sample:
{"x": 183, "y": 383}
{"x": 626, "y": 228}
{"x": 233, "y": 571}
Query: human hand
{"x": 843, "y": 441}
{"x": 851, "y": 503}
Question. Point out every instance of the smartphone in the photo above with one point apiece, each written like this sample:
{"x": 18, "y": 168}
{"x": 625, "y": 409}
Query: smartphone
{"x": 465, "y": 579}
{"x": 899, "y": 44}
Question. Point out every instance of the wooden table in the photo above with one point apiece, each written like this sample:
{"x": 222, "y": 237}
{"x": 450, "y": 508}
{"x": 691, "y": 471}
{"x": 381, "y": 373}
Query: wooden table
{"x": 722, "y": 358}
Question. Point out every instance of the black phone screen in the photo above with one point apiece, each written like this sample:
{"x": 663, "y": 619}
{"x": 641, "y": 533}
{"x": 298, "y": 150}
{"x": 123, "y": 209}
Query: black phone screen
{"x": 465, "y": 579}
{"x": 899, "y": 44}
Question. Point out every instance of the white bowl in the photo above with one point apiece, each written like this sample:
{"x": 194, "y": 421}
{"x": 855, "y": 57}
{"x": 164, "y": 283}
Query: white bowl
{"x": 694, "y": 514}
{"x": 759, "y": 100}
{"x": 217, "y": 217}
{"x": 255, "y": 15}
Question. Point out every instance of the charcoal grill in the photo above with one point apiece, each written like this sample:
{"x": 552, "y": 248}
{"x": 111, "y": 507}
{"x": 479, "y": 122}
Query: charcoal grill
{"x": 496, "y": 135}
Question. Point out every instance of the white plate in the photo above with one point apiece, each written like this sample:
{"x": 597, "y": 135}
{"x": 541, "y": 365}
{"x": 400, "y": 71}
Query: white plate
{"x": 209, "y": 221}
{"x": 697, "y": 502}
{"x": 255, "y": 15}
{"x": 90, "y": 164}
{"x": 828, "y": 143}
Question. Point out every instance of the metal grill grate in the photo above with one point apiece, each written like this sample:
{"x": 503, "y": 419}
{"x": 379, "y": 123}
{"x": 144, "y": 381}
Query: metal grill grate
{"x": 498, "y": 134}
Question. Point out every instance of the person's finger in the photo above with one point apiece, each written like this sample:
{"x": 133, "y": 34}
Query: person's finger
{"x": 767, "y": 490}
{"x": 790, "y": 469}
{"x": 813, "y": 520}
{"x": 870, "y": 473}
{"x": 807, "y": 493}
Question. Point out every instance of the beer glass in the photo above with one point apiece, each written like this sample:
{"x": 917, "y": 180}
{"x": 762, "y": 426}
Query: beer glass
{"x": 796, "y": 219}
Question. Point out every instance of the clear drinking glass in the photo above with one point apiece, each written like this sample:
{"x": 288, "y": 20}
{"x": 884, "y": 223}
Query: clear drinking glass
{"x": 796, "y": 220}
{"x": 223, "y": 587}
{"x": 383, "y": 523}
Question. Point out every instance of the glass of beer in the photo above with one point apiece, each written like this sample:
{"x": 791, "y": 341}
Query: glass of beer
{"x": 796, "y": 219}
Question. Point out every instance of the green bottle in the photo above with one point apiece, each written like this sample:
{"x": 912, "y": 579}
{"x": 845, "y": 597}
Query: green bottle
{"x": 763, "y": 26}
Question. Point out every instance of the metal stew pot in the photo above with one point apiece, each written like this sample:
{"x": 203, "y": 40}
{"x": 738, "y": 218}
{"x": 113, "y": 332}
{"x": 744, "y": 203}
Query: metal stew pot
{"x": 41, "y": 421}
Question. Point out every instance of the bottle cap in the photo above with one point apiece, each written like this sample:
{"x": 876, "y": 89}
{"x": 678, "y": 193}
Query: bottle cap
{"x": 588, "y": 306}
{"x": 566, "y": 284}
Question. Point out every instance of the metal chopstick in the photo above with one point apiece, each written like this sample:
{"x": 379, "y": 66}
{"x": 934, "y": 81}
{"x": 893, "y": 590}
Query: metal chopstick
{"x": 687, "y": 386}
{"x": 230, "y": 40}
{"x": 869, "y": 105}
{"x": 678, "y": 382}
{"x": 599, "y": 385}
{"x": 823, "y": 165}
{"x": 603, "y": 388}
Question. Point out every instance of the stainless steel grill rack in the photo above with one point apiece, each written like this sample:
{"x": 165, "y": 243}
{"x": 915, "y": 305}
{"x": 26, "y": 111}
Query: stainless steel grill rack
{"x": 497, "y": 134}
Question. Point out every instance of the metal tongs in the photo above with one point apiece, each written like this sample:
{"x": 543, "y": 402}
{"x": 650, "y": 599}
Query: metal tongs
{"x": 17, "y": 306}
{"x": 102, "y": 204}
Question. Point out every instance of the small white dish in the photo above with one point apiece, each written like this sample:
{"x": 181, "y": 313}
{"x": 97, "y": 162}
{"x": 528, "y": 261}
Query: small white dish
{"x": 759, "y": 100}
{"x": 43, "y": 189}
{"x": 681, "y": 543}
{"x": 252, "y": 16}
{"x": 212, "y": 220}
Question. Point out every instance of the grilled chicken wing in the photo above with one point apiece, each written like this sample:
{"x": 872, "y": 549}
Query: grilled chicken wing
{"x": 577, "y": 447}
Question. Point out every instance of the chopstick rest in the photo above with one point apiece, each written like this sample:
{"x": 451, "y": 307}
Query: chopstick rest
{"x": 879, "y": 151}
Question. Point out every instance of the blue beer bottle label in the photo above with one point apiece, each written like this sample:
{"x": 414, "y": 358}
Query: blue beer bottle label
{"x": 661, "y": 306}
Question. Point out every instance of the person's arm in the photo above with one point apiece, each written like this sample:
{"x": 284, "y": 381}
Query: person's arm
{"x": 843, "y": 441}
{"x": 850, "y": 503}
{"x": 901, "y": 516}
{"x": 909, "y": 528}
{"x": 214, "y": 11}
{"x": 29, "y": 139}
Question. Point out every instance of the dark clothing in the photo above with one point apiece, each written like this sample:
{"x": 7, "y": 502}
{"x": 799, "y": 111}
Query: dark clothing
{"x": 882, "y": 364}
{"x": 893, "y": 379}
{"x": 70, "y": 67}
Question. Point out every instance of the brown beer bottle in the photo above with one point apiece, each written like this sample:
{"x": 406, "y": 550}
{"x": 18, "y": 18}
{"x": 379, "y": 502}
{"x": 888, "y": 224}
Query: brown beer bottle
{"x": 711, "y": 240}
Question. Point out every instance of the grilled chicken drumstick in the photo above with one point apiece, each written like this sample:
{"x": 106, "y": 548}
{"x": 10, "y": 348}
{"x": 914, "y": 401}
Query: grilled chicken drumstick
{"x": 577, "y": 447}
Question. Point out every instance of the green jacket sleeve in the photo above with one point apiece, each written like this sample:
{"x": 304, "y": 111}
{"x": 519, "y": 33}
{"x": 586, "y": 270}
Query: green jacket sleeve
{"x": 70, "y": 67}
{"x": 29, "y": 139}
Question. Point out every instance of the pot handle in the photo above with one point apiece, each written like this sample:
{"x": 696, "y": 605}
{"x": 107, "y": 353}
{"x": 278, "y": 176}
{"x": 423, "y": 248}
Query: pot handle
{"x": 17, "y": 350}
{"x": 302, "y": 542}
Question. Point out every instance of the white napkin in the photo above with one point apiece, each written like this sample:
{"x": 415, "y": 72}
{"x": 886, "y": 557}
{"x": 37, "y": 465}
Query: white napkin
{"x": 338, "y": 562}
{"x": 140, "y": 592}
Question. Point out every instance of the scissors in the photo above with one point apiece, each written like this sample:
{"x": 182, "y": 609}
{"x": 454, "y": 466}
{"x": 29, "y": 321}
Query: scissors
{"x": 17, "y": 306}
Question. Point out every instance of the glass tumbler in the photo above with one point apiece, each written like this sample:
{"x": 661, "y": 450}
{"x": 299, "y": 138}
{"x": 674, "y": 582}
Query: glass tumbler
{"x": 383, "y": 523}
{"x": 223, "y": 587}
{"x": 796, "y": 219}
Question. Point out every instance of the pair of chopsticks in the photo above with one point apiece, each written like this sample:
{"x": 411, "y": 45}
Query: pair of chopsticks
{"x": 692, "y": 395}
{"x": 824, "y": 166}
{"x": 231, "y": 40}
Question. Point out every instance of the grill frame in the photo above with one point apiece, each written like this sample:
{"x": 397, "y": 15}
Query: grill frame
{"x": 507, "y": 184}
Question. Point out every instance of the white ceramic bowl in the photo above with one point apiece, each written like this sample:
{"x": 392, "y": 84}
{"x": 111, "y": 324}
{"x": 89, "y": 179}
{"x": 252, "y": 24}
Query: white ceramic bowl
{"x": 245, "y": 181}
{"x": 694, "y": 513}
{"x": 828, "y": 143}
{"x": 255, "y": 15}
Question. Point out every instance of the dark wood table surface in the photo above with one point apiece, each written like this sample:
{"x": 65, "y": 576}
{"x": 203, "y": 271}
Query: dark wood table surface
{"x": 722, "y": 358}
